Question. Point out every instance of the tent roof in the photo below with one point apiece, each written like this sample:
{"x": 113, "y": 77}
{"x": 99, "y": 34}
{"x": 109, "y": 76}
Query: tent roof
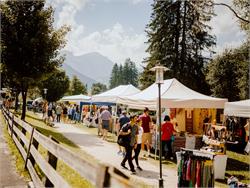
{"x": 76, "y": 98}
{"x": 238, "y": 108}
{"x": 113, "y": 94}
{"x": 173, "y": 95}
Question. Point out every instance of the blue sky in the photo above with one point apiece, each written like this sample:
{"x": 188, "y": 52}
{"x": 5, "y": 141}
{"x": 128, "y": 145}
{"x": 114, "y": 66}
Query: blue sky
{"x": 116, "y": 28}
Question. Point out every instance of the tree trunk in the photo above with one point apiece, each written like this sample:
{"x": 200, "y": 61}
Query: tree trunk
{"x": 183, "y": 42}
{"x": 176, "y": 66}
{"x": 24, "y": 96}
{"x": 16, "y": 100}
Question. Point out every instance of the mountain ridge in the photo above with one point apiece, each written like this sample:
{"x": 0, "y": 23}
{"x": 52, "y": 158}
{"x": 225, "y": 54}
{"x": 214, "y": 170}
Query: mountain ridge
{"x": 89, "y": 68}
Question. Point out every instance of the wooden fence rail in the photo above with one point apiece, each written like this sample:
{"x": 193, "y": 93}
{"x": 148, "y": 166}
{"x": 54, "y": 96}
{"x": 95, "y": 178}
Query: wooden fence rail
{"x": 100, "y": 175}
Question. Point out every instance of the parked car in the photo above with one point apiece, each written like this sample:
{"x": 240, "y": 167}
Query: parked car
{"x": 29, "y": 105}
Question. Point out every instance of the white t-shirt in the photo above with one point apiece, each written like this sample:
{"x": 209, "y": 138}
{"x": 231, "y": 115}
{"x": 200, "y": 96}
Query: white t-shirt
{"x": 140, "y": 132}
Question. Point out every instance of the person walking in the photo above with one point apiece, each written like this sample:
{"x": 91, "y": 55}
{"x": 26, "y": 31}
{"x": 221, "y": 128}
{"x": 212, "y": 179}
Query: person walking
{"x": 65, "y": 114}
{"x": 137, "y": 149}
{"x": 50, "y": 113}
{"x": 58, "y": 113}
{"x": 167, "y": 132}
{"x": 122, "y": 121}
{"x": 146, "y": 136}
{"x": 129, "y": 132}
{"x": 105, "y": 118}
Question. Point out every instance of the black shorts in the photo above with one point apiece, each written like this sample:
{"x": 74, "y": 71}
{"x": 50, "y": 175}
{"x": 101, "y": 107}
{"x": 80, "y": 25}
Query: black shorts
{"x": 50, "y": 113}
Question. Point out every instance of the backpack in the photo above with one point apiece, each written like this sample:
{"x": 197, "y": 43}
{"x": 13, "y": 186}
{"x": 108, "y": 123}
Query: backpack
{"x": 124, "y": 140}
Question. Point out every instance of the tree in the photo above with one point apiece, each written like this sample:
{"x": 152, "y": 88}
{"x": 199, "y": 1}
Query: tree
{"x": 77, "y": 87}
{"x": 98, "y": 88}
{"x": 57, "y": 84}
{"x": 130, "y": 73}
{"x": 123, "y": 75}
{"x": 113, "y": 82}
{"x": 228, "y": 74}
{"x": 242, "y": 7}
{"x": 30, "y": 45}
{"x": 178, "y": 34}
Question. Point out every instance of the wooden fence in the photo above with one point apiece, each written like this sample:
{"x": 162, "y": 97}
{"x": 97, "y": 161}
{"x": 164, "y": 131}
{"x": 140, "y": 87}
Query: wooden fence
{"x": 100, "y": 175}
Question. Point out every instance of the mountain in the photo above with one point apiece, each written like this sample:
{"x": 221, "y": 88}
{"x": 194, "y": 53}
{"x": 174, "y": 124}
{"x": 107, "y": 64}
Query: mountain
{"x": 84, "y": 79}
{"x": 92, "y": 65}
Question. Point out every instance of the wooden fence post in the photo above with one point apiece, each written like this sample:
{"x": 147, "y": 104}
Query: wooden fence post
{"x": 52, "y": 160}
{"x": 35, "y": 144}
{"x": 12, "y": 125}
{"x": 28, "y": 151}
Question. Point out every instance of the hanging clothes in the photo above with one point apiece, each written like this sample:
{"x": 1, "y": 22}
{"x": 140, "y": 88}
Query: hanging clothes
{"x": 195, "y": 171}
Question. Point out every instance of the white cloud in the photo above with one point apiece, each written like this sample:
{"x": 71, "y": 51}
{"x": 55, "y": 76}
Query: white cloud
{"x": 115, "y": 43}
{"x": 226, "y": 27}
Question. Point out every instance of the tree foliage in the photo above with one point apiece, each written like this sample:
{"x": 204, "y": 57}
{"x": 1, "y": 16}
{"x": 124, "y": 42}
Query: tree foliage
{"x": 77, "y": 87}
{"x": 228, "y": 74}
{"x": 57, "y": 84}
{"x": 30, "y": 45}
{"x": 124, "y": 74}
{"x": 98, "y": 88}
{"x": 242, "y": 7}
{"x": 178, "y": 34}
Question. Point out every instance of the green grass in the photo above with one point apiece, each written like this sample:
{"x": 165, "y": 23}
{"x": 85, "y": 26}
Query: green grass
{"x": 238, "y": 165}
{"x": 19, "y": 162}
{"x": 71, "y": 176}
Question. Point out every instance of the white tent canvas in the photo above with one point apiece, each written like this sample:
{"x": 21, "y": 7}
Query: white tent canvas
{"x": 77, "y": 98}
{"x": 173, "y": 95}
{"x": 238, "y": 108}
{"x": 113, "y": 94}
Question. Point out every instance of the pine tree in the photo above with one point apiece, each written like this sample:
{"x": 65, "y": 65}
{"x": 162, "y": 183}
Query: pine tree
{"x": 98, "y": 88}
{"x": 120, "y": 76}
{"x": 77, "y": 87}
{"x": 114, "y": 77}
{"x": 178, "y": 36}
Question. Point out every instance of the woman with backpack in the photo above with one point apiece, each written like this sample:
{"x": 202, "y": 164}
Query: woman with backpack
{"x": 128, "y": 134}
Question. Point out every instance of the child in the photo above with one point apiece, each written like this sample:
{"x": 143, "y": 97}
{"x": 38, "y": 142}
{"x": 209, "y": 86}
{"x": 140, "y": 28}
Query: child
{"x": 137, "y": 148}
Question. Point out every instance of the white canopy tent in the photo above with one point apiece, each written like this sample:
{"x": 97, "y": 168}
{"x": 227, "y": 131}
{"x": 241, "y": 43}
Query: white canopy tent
{"x": 173, "y": 95}
{"x": 238, "y": 108}
{"x": 77, "y": 98}
{"x": 113, "y": 94}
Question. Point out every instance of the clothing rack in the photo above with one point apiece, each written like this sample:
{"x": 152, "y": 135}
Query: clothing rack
{"x": 198, "y": 153}
{"x": 195, "y": 169}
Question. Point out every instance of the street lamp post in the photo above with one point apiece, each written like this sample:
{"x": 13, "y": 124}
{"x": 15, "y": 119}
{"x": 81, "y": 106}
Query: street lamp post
{"x": 45, "y": 92}
{"x": 159, "y": 80}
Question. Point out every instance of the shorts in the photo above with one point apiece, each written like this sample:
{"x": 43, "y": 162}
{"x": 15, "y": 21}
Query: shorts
{"x": 146, "y": 137}
{"x": 105, "y": 124}
{"x": 50, "y": 113}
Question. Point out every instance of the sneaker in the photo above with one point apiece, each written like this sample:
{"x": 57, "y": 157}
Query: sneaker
{"x": 119, "y": 152}
{"x": 123, "y": 166}
{"x": 133, "y": 172}
{"x": 139, "y": 168}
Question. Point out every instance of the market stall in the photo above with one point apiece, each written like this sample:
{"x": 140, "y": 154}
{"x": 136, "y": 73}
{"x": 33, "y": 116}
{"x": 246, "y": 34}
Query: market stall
{"x": 239, "y": 109}
{"x": 77, "y": 98}
{"x": 111, "y": 96}
{"x": 190, "y": 108}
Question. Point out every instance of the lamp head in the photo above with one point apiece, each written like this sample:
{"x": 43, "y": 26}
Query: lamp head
{"x": 159, "y": 70}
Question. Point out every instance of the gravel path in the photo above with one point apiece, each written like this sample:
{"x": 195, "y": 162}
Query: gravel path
{"x": 107, "y": 152}
{"x": 8, "y": 175}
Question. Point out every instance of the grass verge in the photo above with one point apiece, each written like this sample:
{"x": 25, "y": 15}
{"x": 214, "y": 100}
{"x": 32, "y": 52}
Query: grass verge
{"x": 71, "y": 176}
{"x": 238, "y": 165}
{"x": 19, "y": 162}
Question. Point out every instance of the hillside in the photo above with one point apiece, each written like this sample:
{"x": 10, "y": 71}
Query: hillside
{"x": 92, "y": 65}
